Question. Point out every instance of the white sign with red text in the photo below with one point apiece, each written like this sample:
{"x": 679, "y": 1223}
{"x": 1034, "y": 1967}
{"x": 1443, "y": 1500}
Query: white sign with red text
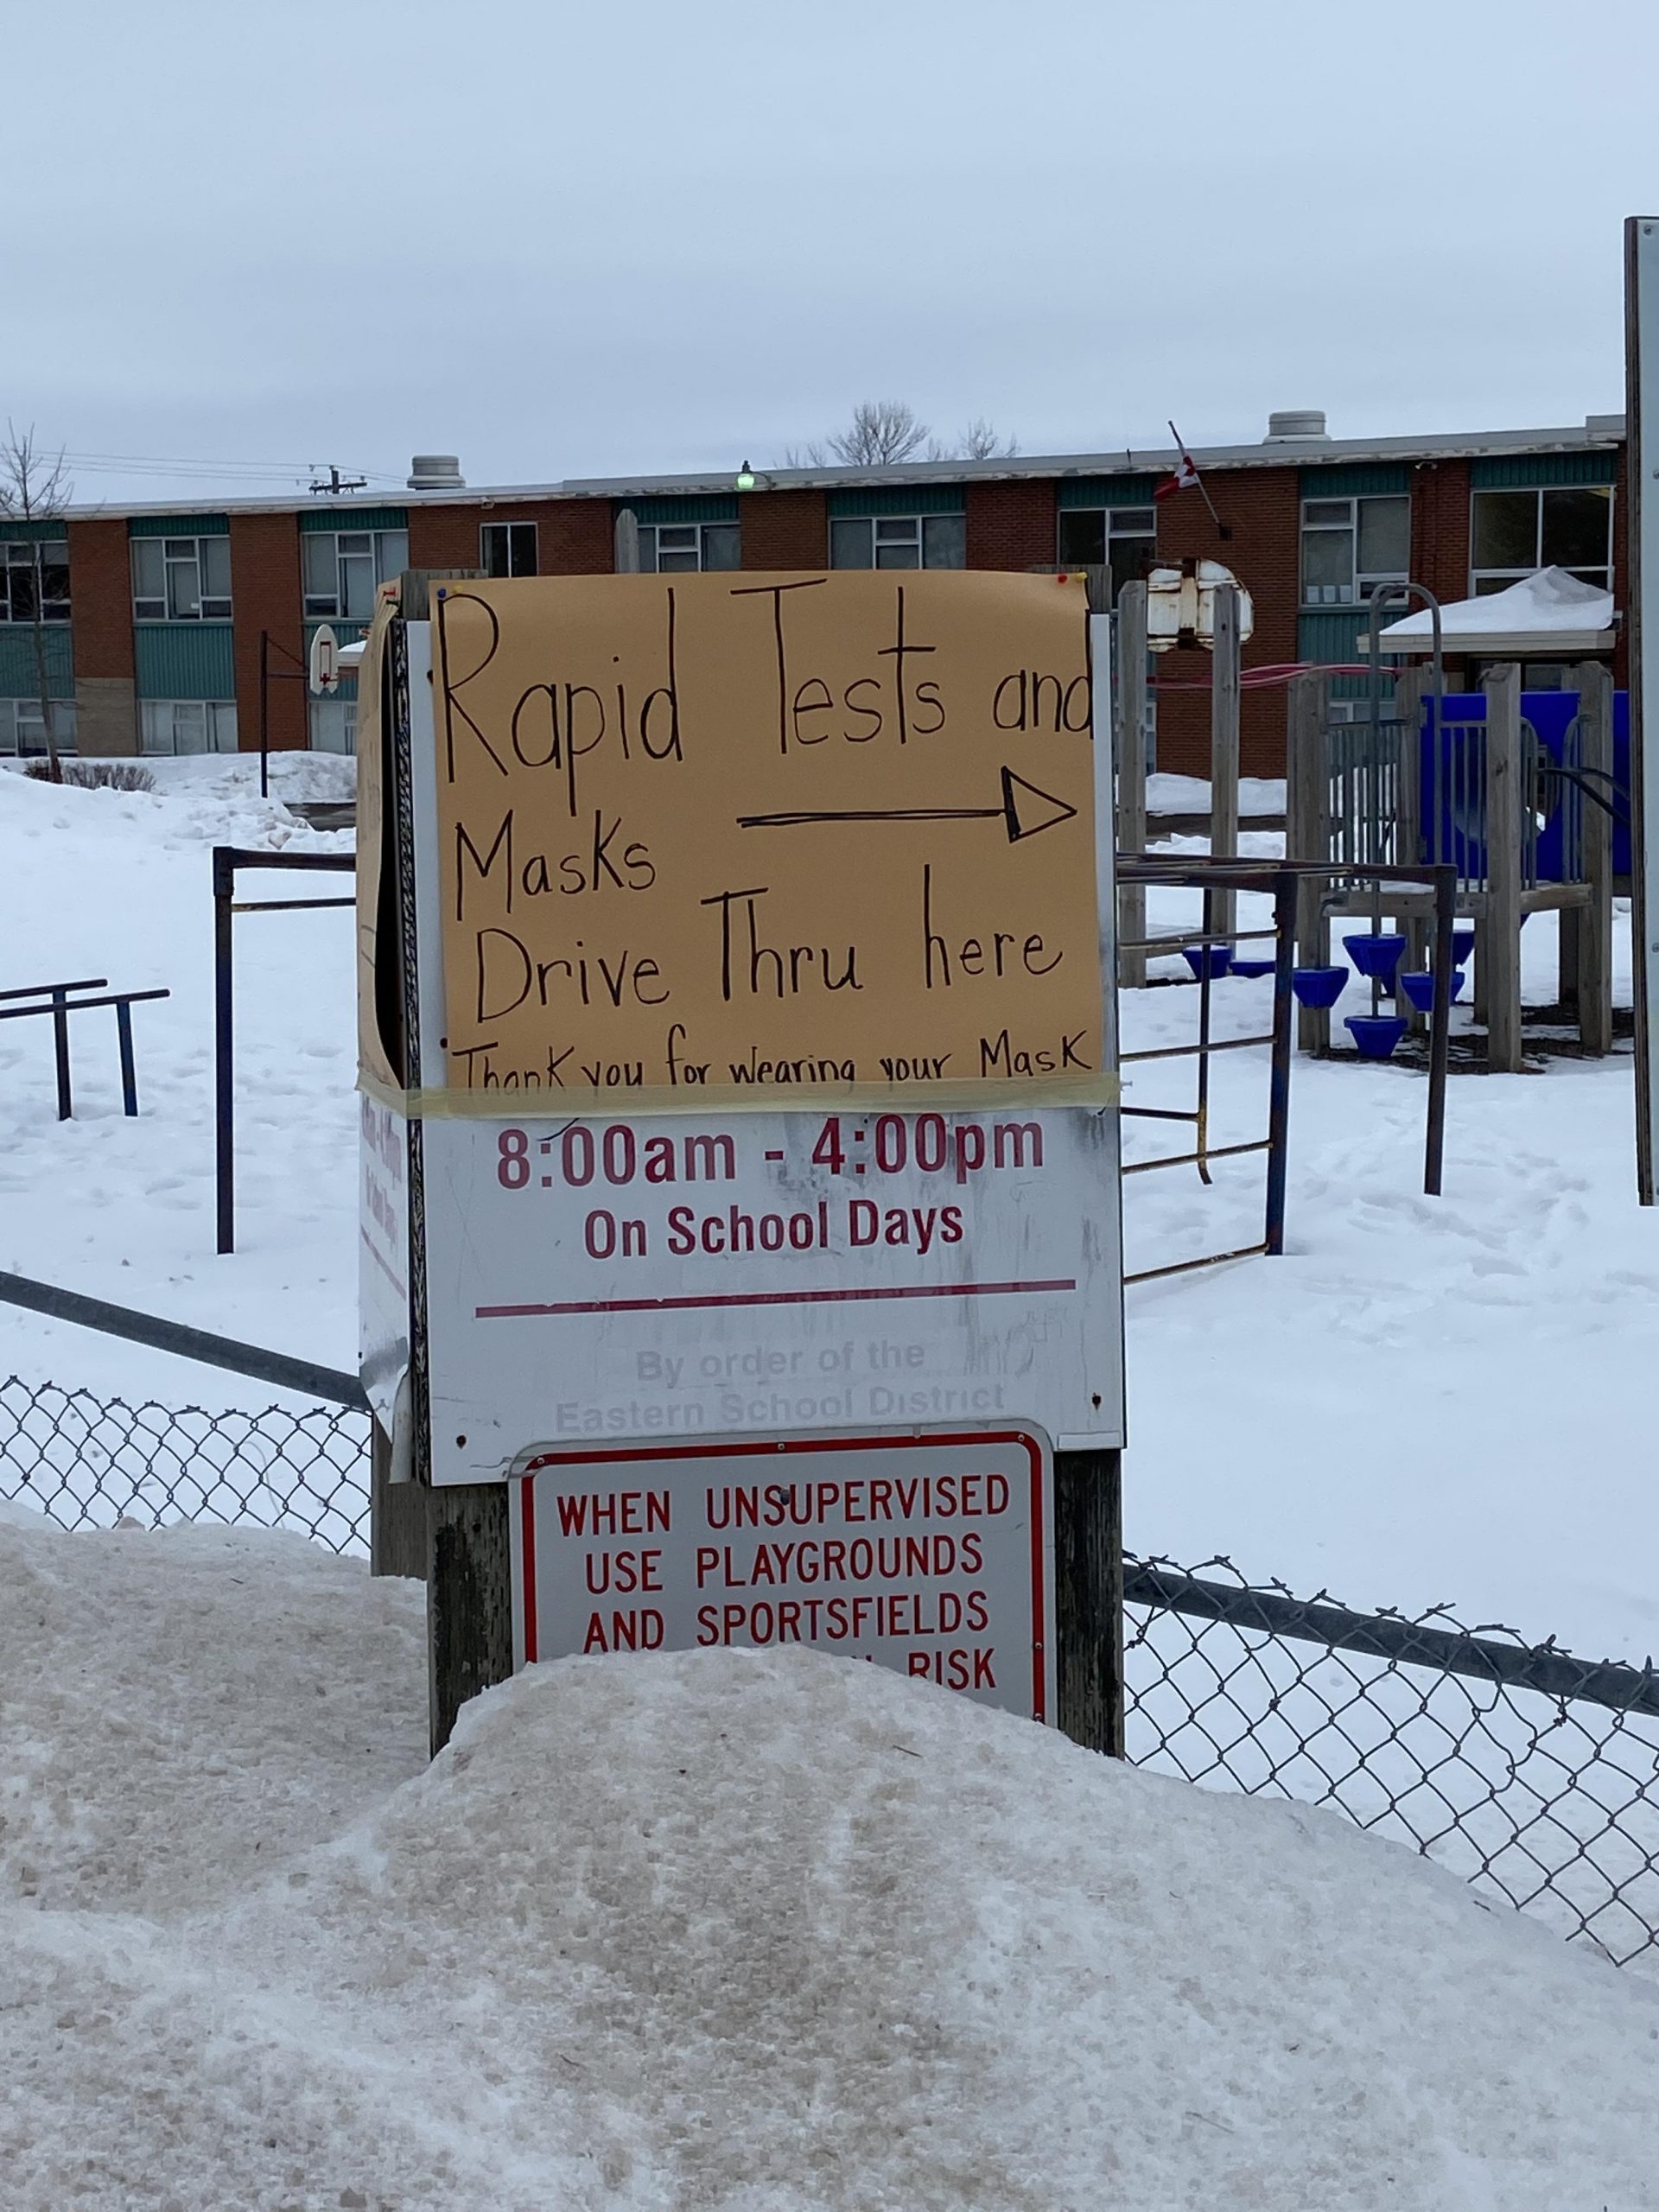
{"x": 930, "y": 1555}
{"x": 603, "y": 1279}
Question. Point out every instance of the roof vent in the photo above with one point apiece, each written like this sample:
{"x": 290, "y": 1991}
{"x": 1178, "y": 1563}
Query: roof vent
{"x": 436, "y": 471}
{"x": 1604, "y": 426}
{"x": 1296, "y": 424}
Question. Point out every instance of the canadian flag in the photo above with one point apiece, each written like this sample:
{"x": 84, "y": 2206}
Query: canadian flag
{"x": 1185, "y": 477}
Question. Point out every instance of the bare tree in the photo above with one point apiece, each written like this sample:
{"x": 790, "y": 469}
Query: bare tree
{"x": 982, "y": 441}
{"x": 35, "y": 490}
{"x": 881, "y": 432}
{"x": 885, "y": 431}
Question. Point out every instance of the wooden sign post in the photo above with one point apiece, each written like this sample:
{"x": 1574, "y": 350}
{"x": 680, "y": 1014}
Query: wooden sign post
{"x": 738, "y": 1064}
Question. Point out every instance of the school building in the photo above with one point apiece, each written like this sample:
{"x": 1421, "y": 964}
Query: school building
{"x": 172, "y": 629}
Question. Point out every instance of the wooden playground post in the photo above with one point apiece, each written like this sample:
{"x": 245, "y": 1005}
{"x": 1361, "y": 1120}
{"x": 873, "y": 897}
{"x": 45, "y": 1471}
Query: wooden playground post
{"x": 1499, "y": 955}
{"x": 1307, "y": 824}
{"x": 1129, "y": 749}
{"x": 1224, "y": 747}
{"x": 1593, "y": 963}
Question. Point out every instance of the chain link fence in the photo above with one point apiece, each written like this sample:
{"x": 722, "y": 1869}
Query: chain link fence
{"x": 1532, "y": 1773}
{"x": 89, "y": 1463}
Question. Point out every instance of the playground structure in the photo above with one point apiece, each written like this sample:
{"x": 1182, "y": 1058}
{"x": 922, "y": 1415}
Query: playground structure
{"x": 1517, "y": 794}
{"x": 1210, "y": 952}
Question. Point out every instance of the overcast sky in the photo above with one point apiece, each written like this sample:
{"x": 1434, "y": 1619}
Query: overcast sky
{"x": 588, "y": 240}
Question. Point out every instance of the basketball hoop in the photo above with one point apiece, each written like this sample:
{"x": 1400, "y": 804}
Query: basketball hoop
{"x": 324, "y": 663}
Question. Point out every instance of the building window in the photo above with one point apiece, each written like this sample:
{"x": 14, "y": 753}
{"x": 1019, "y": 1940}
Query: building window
{"x": 334, "y": 725}
{"x": 187, "y": 725}
{"x": 1349, "y": 546}
{"x": 682, "y": 548}
{"x": 1123, "y": 539}
{"x": 23, "y": 731}
{"x": 1516, "y": 533}
{"x": 507, "y": 549}
{"x": 899, "y": 542}
{"x": 182, "y": 579}
{"x": 34, "y": 573}
{"x": 343, "y": 569}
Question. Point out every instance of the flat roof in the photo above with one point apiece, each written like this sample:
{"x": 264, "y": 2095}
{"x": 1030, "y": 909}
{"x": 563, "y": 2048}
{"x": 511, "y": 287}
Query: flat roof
{"x": 1601, "y": 433}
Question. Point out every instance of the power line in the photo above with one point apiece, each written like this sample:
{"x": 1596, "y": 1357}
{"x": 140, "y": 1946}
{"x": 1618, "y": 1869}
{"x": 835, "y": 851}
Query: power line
{"x": 199, "y": 471}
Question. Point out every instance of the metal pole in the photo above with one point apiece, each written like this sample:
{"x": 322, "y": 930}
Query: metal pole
{"x": 124, "y": 1039}
{"x": 60, "y": 1052}
{"x": 1284, "y": 959}
{"x": 1440, "y": 1024}
{"x": 1202, "y": 1117}
{"x": 264, "y": 725}
{"x": 224, "y": 1001}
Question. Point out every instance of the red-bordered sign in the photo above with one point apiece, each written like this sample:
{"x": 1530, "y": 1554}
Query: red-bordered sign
{"x": 1008, "y": 1602}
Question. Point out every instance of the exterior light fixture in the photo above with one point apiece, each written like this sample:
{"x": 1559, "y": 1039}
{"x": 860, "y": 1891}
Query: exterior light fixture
{"x": 746, "y": 478}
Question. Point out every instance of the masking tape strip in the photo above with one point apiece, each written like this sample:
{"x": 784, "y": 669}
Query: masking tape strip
{"x": 575, "y": 1103}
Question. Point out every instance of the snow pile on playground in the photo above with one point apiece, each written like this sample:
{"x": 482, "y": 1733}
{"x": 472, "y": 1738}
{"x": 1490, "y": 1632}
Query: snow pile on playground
{"x": 760, "y": 1933}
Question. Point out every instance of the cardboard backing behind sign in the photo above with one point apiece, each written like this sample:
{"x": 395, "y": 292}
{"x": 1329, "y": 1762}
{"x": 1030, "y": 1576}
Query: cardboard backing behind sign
{"x": 702, "y": 836}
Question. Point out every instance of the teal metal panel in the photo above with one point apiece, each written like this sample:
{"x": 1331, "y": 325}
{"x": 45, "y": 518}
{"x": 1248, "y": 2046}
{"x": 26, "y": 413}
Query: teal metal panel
{"x": 1362, "y": 479}
{"x": 901, "y": 500}
{"x": 354, "y": 519}
{"x": 178, "y": 525}
{"x": 1528, "y": 472}
{"x": 714, "y": 507}
{"x": 184, "y": 660}
{"x": 28, "y": 532}
{"x": 1107, "y": 491}
{"x": 18, "y": 679}
{"x": 1333, "y": 635}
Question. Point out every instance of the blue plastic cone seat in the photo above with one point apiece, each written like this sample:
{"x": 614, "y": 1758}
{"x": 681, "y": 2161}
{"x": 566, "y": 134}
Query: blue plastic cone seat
{"x": 1217, "y": 958}
{"x": 1317, "y": 987}
{"x": 1378, "y": 955}
{"x": 1250, "y": 967}
{"x": 1375, "y": 1035}
{"x": 1418, "y": 986}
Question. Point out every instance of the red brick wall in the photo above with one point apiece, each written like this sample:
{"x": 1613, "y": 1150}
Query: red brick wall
{"x": 1263, "y": 509}
{"x": 573, "y": 536}
{"x": 786, "y": 530}
{"x": 1012, "y": 526}
{"x": 265, "y": 592}
{"x": 1440, "y": 528}
{"x": 100, "y": 598}
{"x": 446, "y": 536}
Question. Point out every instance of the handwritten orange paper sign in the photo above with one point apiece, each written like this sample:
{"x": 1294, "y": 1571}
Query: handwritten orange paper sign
{"x": 768, "y": 839}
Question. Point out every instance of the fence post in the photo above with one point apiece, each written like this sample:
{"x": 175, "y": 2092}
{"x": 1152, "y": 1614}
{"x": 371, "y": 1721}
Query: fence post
{"x": 625, "y": 543}
{"x": 1224, "y": 747}
{"x": 1129, "y": 749}
{"x": 1307, "y": 825}
{"x": 1594, "y": 967}
{"x": 1089, "y": 1599}
{"x": 1503, "y": 800}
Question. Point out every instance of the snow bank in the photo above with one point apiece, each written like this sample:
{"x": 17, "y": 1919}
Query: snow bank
{"x": 748, "y": 1932}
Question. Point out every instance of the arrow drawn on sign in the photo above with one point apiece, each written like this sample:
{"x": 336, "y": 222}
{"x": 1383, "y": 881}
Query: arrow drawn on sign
{"x": 1025, "y": 811}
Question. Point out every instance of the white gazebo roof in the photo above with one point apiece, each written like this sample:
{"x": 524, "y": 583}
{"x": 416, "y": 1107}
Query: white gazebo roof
{"x": 1551, "y": 612}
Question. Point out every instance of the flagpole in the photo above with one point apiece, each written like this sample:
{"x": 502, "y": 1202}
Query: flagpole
{"x": 1181, "y": 454}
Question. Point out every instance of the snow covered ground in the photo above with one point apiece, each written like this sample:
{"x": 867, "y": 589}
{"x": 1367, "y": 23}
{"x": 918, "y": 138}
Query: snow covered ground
{"x": 809, "y": 1936}
{"x": 1424, "y": 1400}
